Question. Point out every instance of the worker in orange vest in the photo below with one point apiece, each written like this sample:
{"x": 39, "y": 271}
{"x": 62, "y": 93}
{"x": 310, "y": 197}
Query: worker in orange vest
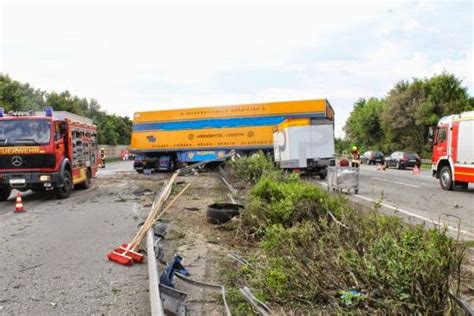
{"x": 355, "y": 157}
{"x": 102, "y": 158}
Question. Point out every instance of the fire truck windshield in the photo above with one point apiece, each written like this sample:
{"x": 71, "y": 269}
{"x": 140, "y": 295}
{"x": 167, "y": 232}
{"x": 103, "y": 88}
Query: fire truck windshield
{"x": 24, "y": 132}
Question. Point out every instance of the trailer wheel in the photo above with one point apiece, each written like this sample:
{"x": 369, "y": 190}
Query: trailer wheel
{"x": 4, "y": 194}
{"x": 445, "y": 178}
{"x": 65, "y": 191}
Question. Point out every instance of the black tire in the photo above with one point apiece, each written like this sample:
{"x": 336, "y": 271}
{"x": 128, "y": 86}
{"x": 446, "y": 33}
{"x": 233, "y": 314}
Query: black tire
{"x": 446, "y": 178}
{"x": 5, "y": 194}
{"x": 86, "y": 184}
{"x": 220, "y": 213}
{"x": 323, "y": 174}
{"x": 65, "y": 191}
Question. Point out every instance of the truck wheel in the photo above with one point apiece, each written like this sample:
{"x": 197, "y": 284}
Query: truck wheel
{"x": 65, "y": 191}
{"x": 323, "y": 174}
{"x": 4, "y": 194}
{"x": 446, "y": 179}
{"x": 87, "y": 183}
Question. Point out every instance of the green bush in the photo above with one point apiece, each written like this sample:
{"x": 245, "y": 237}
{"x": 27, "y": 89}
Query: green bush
{"x": 252, "y": 168}
{"x": 367, "y": 263}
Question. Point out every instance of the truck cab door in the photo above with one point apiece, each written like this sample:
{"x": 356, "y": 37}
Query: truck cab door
{"x": 440, "y": 148}
{"x": 59, "y": 134}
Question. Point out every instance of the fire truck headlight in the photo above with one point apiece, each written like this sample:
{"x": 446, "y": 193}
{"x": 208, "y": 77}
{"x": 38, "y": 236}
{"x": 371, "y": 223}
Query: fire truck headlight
{"x": 44, "y": 178}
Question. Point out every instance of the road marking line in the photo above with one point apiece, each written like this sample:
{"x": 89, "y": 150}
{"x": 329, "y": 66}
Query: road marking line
{"x": 397, "y": 172}
{"x": 406, "y": 212}
{"x": 396, "y": 182}
{"x": 413, "y": 214}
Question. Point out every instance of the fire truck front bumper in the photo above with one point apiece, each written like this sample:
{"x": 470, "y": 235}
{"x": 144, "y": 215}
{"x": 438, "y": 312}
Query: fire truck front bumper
{"x": 30, "y": 180}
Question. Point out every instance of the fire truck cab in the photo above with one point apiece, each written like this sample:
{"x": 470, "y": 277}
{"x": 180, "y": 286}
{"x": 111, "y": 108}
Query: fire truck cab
{"x": 43, "y": 151}
{"x": 453, "y": 151}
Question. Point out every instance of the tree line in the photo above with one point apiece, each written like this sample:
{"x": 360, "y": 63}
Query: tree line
{"x": 401, "y": 120}
{"x": 17, "y": 96}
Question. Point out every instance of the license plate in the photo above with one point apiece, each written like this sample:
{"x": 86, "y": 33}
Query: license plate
{"x": 17, "y": 181}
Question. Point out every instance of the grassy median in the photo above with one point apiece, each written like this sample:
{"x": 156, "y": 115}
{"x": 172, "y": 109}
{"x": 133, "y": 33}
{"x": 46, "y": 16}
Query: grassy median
{"x": 311, "y": 251}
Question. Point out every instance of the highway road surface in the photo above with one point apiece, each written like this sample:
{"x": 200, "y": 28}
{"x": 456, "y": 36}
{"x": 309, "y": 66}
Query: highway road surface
{"x": 52, "y": 258}
{"x": 418, "y": 198}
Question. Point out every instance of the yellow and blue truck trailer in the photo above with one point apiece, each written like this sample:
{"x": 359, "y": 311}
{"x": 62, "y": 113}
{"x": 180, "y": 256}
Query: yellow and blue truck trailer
{"x": 163, "y": 139}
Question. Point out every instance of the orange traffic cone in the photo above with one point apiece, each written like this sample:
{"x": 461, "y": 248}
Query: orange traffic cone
{"x": 19, "y": 204}
{"x": 416, "y": 171}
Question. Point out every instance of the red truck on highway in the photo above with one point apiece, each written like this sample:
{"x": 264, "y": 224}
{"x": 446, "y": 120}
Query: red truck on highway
{"x": 47, "y": 150}
{"x": 453, "y": 151}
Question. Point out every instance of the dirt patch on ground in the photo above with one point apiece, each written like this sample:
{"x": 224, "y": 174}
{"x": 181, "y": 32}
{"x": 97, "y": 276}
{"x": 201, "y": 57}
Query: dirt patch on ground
{"x": 467, "y": 277}
{"x": 198, "y": 242}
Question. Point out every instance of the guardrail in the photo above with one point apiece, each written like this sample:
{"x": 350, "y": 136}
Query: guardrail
{"x": 113, "y": 151}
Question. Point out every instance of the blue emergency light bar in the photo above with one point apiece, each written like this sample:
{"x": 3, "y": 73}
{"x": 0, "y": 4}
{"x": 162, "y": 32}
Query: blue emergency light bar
{"x": 48, "y": 111}
{"x": 2, "y": 111}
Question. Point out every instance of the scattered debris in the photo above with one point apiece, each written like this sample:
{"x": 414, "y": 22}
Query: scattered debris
{"x": 32, "y": 267}
{"x": 173, "y": 267}
{"x": 238, "y": 259}
{"x": 259, "y": 306}
{"x": 220, "y": 213}
{"x": 127, "y": 253}
{"x": 192, "y": 209}
{"x": 208, "y": 285}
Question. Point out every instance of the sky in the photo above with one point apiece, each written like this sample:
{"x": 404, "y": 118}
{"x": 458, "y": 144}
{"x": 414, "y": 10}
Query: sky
{"x": 152, "y": 55}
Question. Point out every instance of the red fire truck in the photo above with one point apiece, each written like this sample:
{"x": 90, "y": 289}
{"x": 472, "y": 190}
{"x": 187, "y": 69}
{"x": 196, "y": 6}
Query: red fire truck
{"x": 44, "y": 151}
{"x": 453, "y": 151}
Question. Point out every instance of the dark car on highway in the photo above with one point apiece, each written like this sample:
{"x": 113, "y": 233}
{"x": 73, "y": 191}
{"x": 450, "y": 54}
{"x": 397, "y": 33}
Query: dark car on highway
{"x": 372, "y": 157}
{"x": 402, "y": 160}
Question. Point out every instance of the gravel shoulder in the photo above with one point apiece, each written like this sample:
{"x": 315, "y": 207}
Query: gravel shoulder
{"x": 200, "y": 244}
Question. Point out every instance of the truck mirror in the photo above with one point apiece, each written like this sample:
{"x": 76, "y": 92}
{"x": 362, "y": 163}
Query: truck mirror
{"x": 63, "y": 128}
{"x": 430, "y": 134}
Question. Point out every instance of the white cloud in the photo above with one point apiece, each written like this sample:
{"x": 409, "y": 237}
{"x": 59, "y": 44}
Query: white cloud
{"x": 142, "y": 56}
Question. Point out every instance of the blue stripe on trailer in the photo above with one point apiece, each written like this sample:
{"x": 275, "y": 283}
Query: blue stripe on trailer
{"x": 210, "y": 123}
{"x": 219, "y": 123}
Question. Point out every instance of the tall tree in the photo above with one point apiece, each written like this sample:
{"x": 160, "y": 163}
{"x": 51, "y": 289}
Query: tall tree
{"x": 410, "y": 109}
{"x": 17, "y": 96}
{"x": 363, "y": 126}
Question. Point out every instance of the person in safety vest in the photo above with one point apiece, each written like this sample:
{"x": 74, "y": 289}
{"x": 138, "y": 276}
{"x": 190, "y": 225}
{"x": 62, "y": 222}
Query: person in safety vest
{"x": 102, "y": 158}
{"x": 355, "y": 153}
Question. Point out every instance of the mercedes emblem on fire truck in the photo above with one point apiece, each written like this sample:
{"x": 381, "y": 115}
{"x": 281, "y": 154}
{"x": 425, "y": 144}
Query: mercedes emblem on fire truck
{"x": 17, "y": 161}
